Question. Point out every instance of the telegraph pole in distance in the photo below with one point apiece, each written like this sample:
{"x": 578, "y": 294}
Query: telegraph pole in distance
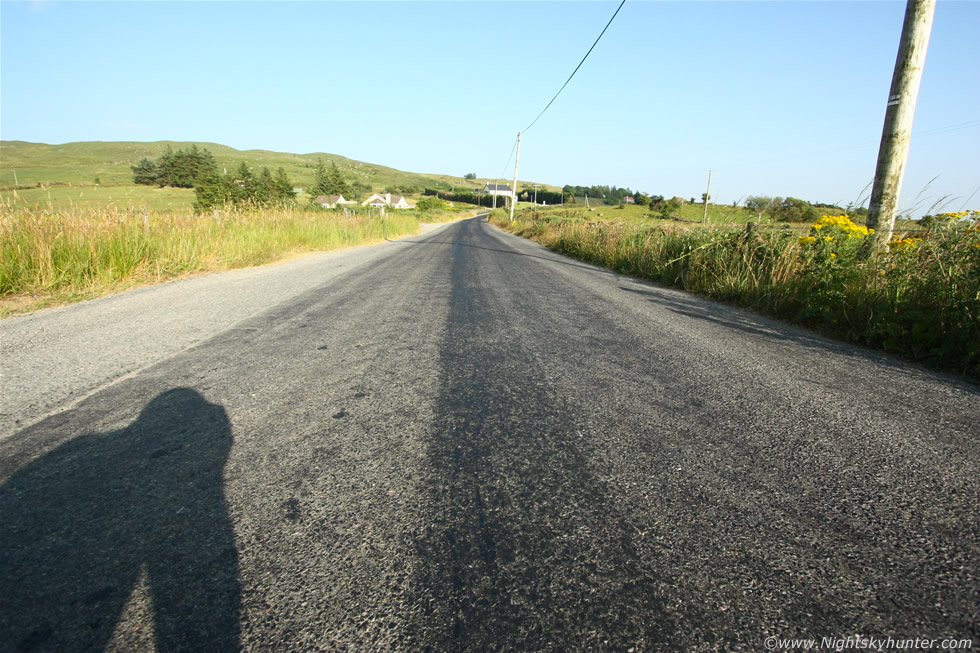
{"x": 707, "y": 194}
{"x": 897, "y": 131}
{"x": 517, "y": 160}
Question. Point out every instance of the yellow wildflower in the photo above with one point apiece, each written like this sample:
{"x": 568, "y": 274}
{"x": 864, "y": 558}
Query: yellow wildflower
{"x": 904, "y": 243}
{"x": 842, "y": 222}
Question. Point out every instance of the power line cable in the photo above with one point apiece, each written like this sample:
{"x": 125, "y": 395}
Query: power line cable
{"x": 949, "y": 128}
{"x": 578, "y": 66}
{"x": 503, "y": 171}
{"x": 507, "y": 165}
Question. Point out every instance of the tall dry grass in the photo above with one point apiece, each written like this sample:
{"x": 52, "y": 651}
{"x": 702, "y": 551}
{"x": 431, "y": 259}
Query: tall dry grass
{"x": 71, "y": 254}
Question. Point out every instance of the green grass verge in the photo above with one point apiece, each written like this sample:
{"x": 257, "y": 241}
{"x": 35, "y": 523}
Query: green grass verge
{"x": 920, "y": 299}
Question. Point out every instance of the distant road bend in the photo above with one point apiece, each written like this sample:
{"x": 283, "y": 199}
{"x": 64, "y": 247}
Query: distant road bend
{"x": 462, "y": 441}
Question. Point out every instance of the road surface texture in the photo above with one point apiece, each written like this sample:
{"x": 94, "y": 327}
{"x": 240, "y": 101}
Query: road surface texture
{"x": 461, "y": 441}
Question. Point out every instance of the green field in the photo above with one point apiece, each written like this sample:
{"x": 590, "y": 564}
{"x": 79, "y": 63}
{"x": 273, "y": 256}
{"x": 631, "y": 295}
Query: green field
{"x": 64, "y": 176}
{"x": 80, "y": 164}
{"x": 724, "y": 214}
{"x": 94, "y": 198}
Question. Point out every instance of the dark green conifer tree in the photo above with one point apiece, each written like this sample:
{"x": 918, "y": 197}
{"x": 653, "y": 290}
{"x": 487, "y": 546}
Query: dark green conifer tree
{"x": 321, "y": 181}
{"x": 337, "y": 184}
{"x": 283, "y": 187}
{"x": 213, "y": 191}
{"x": 165, "y": 168}
{"x": 145, "y": 172}
{"x": 264, "y": 193}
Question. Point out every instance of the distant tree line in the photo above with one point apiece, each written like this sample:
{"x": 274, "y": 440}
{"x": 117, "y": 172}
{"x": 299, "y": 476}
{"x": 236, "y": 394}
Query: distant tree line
{"x": 243, "y": 189}
{"x": 610, "y": 194}
{"x": 568, "y": 195}
{"x": 467, "y": 197}
{"x": 792, "y": 209}
{"x": 180, "y": 169}
{"x": 543, "y": 196}
{"x": 198, "y": 169}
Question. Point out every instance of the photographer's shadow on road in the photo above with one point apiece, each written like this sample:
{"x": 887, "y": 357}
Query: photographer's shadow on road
{"x": 82, "y": 525}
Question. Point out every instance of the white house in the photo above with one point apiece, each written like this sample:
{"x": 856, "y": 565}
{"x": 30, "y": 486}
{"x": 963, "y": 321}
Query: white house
{"x": 503, "y": 190}
{"x": 399, "y": 202}
{"x": 331, "y": 201}
{"x": 377, "y": 200}
{"x": 387, "y": 199}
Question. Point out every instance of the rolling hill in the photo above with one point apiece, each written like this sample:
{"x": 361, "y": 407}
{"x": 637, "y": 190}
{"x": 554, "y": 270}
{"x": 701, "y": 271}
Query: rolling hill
{"x": 98, "y": 174}
{"x": 80, "y": 163}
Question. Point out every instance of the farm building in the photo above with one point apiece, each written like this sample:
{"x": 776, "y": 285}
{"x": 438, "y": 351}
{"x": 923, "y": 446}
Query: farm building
{"x": 503, "y": 190}
{"x": 331, "y": 201}
{"x": 387, "y": 199}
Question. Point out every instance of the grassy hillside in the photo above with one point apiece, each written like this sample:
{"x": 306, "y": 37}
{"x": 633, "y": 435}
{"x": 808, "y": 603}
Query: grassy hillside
{"x": 64, "y": 176}
{"x": 79, "y": 164}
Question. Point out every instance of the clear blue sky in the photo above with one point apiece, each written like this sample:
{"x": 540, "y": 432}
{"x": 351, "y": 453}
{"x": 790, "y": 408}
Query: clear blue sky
{"x": 779, "y": 98}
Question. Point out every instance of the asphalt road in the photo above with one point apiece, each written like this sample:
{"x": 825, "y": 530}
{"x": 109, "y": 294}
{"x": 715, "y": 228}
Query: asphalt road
{"x": 461, "y": 441}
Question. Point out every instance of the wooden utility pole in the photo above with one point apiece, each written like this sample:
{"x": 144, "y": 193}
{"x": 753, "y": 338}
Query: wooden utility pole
{"x": 707, "y": 196}
{"x": 897, "y": 131}
{"x": 517, "y": 160}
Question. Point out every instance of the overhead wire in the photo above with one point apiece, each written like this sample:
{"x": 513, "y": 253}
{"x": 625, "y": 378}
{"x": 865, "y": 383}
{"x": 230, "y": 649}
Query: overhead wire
{"x": 507, "y": 165}
{"x": 578, "y": 66}
{"x": 503, "y": 170}
{"x": 598, "y": 38}
{"x": 947, "y": 128}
